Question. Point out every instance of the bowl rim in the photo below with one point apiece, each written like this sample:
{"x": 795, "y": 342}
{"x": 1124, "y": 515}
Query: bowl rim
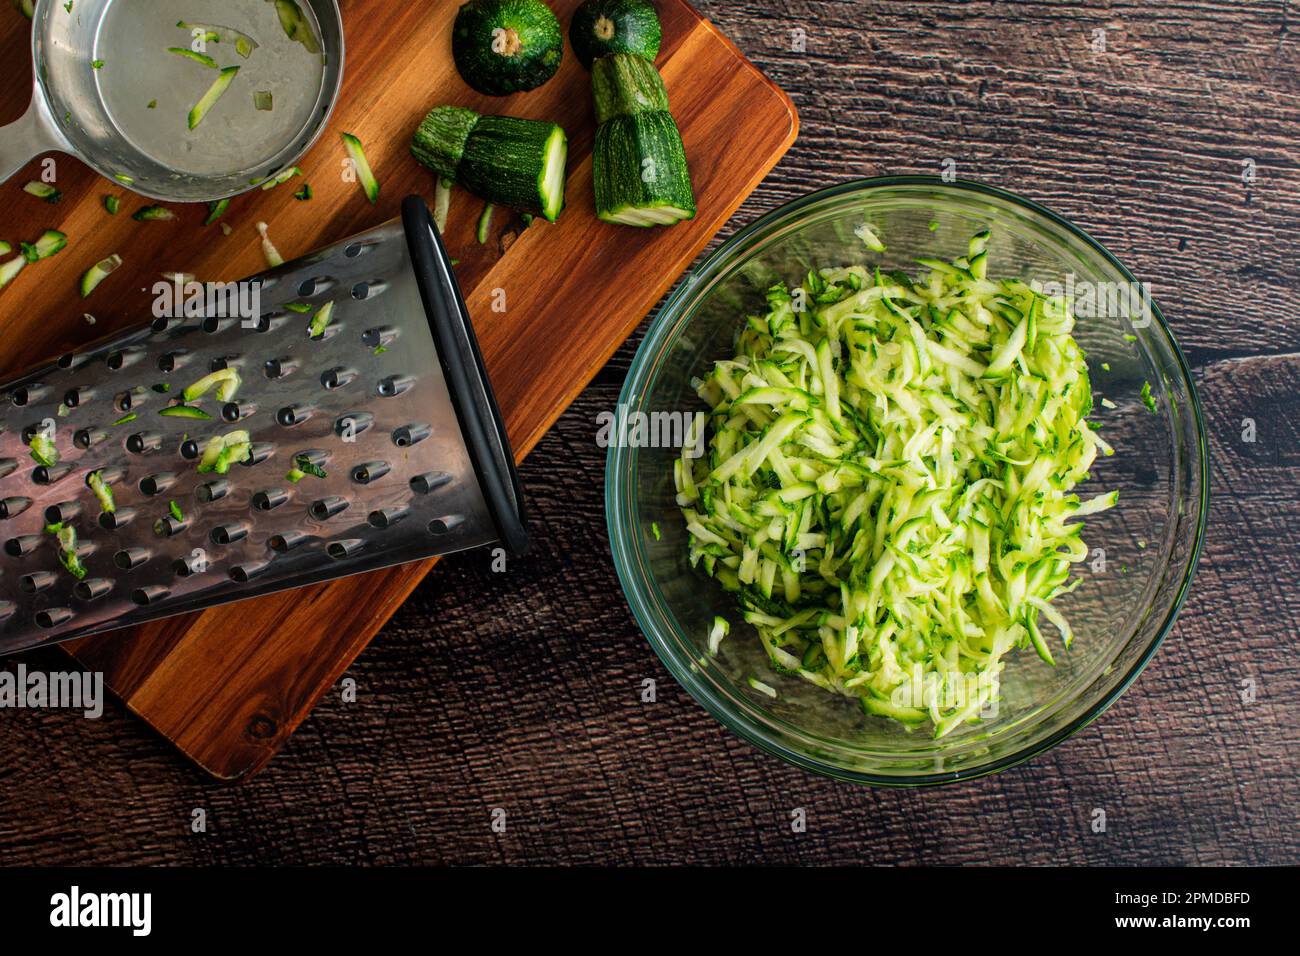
{"x": 740, "y": 723}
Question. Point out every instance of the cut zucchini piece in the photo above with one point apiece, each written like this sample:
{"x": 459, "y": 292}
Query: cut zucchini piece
{"x": 154, "y": 214}
{"x": 506, "y": 46}
{"x": 97, "y": 273}
{"x": 638, "y": 162}
{"x": 282, "y": 177}
{"x": 51, "y": 242}
{"x": 272, "y": 254}
{"x": 26, "y": 7}
{"x": 320, "y": 321}
{"x": 184, "y": 411}
{"x": 112, "y": 204}
{"x": 623, "y": 85}
{"x": 225, "y": 380}
{"x": 510, "y": 162}
{"x": 364, "y": 176}
{"x": 296, "y": 25}
{"x": 216, "y": 210}
{"x": 102, "y": 491}
{"x": 213, "y": 33}
{"x": 214, "y": 93}
{"x": 303, "y": 194}
{"x": 639, "y": 171}
{"x": 439, "y": 142}
{"x": 484, "y": 223}
{"x": 262, "y": 100}
{"x": 43, "y": 191}
{"x": 602, "y": 27}
{"x": 10, "y": 269}
{"x": 194, "y": 55}
{"x": 43, "y": 449}
{"x": 517, "y": 163}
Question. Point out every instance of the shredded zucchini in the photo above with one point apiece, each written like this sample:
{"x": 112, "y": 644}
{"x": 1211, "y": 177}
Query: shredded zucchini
{"x": 889, "y": 484}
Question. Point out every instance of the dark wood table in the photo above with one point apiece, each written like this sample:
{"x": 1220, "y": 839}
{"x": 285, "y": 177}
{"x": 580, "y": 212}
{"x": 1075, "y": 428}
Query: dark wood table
{"x": 1170, "y": 131}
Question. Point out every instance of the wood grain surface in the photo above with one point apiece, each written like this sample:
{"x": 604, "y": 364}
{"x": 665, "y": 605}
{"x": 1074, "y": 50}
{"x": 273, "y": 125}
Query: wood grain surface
{"x": 521, "y": 691}
{"x": 572, "y": 291}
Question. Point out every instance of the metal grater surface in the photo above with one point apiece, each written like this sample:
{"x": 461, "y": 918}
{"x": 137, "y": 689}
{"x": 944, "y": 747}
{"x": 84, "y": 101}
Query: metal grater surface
{"x": 368, "y": 403}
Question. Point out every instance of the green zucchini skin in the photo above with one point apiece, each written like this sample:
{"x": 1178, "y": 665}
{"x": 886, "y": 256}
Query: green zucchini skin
{"x": 638, "y": 162}
{"x": 639, "y": 170}
{"x": 623, "y": 84}
{"x": 602, "y": 27}
{"x": 507, "y": 161}
{"x": 506, "y": 46}
{"x": 439, "y": 142}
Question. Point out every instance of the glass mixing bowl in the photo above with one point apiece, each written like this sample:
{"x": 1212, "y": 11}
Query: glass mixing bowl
{"x": 1143, "y": 551}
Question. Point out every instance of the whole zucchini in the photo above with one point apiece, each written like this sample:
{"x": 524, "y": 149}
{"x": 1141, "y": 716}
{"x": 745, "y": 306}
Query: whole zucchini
{"x": 511, "y": 162}
{"x": 638, "y": 161}
{"x": 602, "y": 27}
{"x": 506, "y": 46}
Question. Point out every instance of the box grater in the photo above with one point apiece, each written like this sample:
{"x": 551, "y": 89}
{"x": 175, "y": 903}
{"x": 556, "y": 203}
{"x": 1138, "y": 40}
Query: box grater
{"x": 373, "y": 438}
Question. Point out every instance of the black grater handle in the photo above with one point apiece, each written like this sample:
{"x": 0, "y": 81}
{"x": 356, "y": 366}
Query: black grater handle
{"x": 467, "y": 381}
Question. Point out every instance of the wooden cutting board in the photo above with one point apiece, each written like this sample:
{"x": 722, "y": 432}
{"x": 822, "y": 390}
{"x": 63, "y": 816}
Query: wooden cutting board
{"x": 230, "y": 697}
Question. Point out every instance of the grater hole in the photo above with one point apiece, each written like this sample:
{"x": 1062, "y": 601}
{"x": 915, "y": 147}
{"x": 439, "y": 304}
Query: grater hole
{"x": 413, "y": 434}
{"x": 283, "y": 543}
{"x": 128, "y": 559}
{"x": 171, "y": 361}
{"x": 85, "y": 437}
{"x": 113, "y": 520}
{"x": 234, "y": 411}
{"x": 157, "y": 484}
{"x": 37, "y": 581}
{"x": 8, "y": 466}
{"x": 315, "y": 285}
{"x": 387, "y": 517}
{"x": 423, "y": 484}
{"x": 395, "y": 385}
{"x": 370, "y": 471}
{"x": 344, "y": 549}
{"x": 381, "y": 335}
{"x": 325, "y": 508}
{"x": 65, "y": 360}
{"x": 292, "y": 415}
{"x": 7, "y": 610}
{"x": 270, "y": 500}
{"x": 23, "y": 544}
{"x": 189, "y": 449}
{"x": 212, "y": 490}
{"x": 258, "y": 452}
{"x": 62, "y": 512}
{"x": 337, "y": 377}
{"x": 445, "y": 524}
{"x": 280, "y": 367}
{"x": 14, "y": 506}
{"x": 190, "y": 565}
{"x": 352, "y": 424}
{"x": 361, "y": 290}
{"x": 92, "y": 588}
{"x": 53, "y": 617}
{"x": 150, "y": 595}
{"x": 24, "y": 394}
{"x": 45, "y": 475}
{"x": 228, "y": 533}
{"x": 169, "y": 526}
{"x": 142, "y": 442}
{"x": 243, "y": 573}
{"x": 355, "y": 249}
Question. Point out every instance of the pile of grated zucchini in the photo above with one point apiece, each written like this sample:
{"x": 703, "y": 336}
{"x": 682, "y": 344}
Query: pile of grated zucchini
{"x": 889, "y": 483}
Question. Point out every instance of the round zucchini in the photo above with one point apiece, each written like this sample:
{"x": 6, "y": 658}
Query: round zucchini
{"x": 506, "y": 46}
{"x": 602, "y": 27}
